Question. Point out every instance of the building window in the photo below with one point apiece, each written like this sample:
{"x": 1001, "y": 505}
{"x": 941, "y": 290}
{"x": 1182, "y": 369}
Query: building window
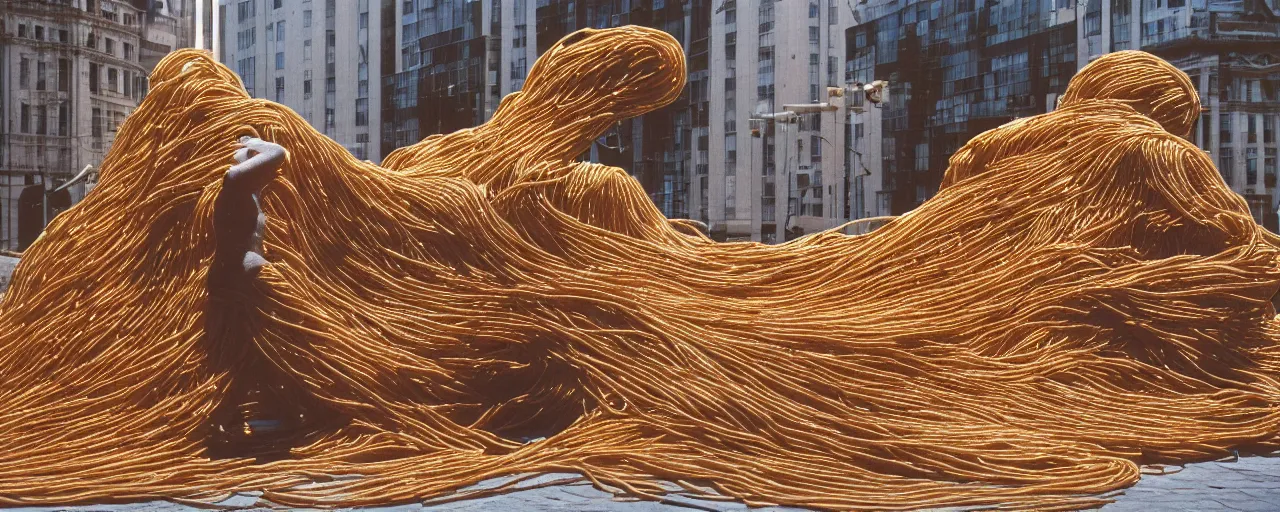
{"x": 279, "y": 88}
{"x": 97, "y": 123}
{"x": 1093, "y": 23}
{"x": 64, "y": 75}
{"x": 113, "y": 80}
{"x": 22, "y": 30}
{"x": 306, "y": 50}
{"x": 1224, "y": 129}
{"x": 362, "y": 112}
{"x": 246, "y": 38}
{"x": 1268, "y": 128}
{"x": 63, "y": 36}
{"x": 25, "y": 120}
{"x": 39, "y": 33}
{"x": 1251, "y": 166}
{"x": 40, "y": 72}
{"x": 306, "y": 18}
{"x": 128, "y": 83}
{"x": 277, "y": 4}
{"x": 364, "y": 21}
{"x": 1253, "y": 127}
{"x": 1269, "y": 164}
{"x": 520, "y": 37}
{"x": 730, "y": 196}
{"x": 64, "y": 118}
{"x": 245, "y": 10}
{"x": 111, "y": 46}
{"x": 279, "y": 60}
{"x": 1226, "y": 165}
{"x": 94, "y": 76}
{"x": 246, "y": 69}
{"x": 280, "y": 31}
{"x": 128, "y": 51}
{"x": 24, "y": 73}
{"x": 306, "y": 88}
{"x": 42, "y": 120}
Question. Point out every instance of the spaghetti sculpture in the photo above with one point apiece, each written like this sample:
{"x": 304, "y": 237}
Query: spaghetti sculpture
{"x": 1084, "y": 296}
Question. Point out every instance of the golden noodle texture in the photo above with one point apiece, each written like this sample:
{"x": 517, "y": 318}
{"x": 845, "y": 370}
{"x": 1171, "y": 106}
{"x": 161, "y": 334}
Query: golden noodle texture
{"x": 1084, "y": 295}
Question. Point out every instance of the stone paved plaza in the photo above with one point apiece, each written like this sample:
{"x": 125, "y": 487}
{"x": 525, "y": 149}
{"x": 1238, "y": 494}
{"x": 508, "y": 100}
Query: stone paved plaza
{"x": 1250, "y": 484}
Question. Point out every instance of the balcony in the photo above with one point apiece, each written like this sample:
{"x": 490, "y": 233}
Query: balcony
{"x": 1236, "y": 27}
{"x": 1215, "y": 27}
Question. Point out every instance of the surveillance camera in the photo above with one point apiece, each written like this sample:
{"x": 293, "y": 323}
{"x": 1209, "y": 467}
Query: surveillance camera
{"x": 875, "y": 91}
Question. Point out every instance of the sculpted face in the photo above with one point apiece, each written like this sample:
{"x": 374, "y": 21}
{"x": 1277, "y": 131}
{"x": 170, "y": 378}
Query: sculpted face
{"x": 1083, "y": 295}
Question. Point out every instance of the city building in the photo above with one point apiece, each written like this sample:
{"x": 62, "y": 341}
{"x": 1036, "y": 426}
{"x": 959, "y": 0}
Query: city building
{"x": 657, "y": 148}
{"x": 169, "y": 25}
{"x": 770, "y": 176}
{"x": 454, "y": 61}
{"x": 452, "y": 65}
{"x": 72, "y": 70}
{"x": 1231, "y": 51}
{"x": 321, "y": 61}
{"x": 954, "y": 69}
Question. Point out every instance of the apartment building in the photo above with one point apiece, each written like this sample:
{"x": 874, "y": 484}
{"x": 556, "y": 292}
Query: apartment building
{"x": 454, "y": 62}
{"x": 954, "y": 68}
{"x": 1231, "y": 51}
{"x": 766, "y": 177}
{"x": 320, "y": 60}
{"x": 960, "y": 67}
{"x": 72, "y": 71}
{"x": 657, "y": 148}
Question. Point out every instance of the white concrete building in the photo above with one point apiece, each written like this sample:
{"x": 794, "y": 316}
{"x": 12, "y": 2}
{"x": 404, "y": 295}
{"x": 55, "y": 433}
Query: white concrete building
{"x": 321, "y": 58}
{"x": 791, "y": 179}
{"x": 72, "y": 72}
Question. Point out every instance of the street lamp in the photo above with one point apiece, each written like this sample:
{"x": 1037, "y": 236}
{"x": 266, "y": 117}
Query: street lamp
{"x": 785, "y": 117}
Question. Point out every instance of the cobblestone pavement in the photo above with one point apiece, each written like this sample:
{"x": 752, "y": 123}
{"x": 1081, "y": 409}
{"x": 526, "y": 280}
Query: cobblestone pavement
{"x": 1250, "y": 484}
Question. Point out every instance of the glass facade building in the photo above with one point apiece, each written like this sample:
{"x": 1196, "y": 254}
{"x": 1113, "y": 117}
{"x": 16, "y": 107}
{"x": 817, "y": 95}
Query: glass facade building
{"x": 655, "y": 147}
{"x": 440, "y": 86}
{"x": 955, "y": 68}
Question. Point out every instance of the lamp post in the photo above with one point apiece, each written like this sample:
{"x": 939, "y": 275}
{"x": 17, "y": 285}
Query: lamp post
{"x": 873, "y": 93}
{"x": 786, "y": 117}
